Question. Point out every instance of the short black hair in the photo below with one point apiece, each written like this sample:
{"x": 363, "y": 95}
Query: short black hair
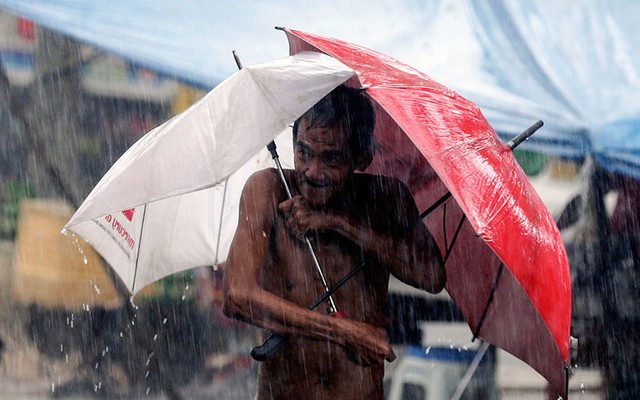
{"x": 353, "y": 110}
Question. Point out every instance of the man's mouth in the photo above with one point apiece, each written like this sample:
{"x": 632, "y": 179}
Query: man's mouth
{"x": 315, "y": 184}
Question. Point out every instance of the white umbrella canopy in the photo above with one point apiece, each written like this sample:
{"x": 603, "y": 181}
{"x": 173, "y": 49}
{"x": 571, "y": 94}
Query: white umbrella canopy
{"x": 158, "y": 211}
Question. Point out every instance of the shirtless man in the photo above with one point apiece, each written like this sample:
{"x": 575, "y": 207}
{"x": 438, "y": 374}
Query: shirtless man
{"x": 350, "y": 218}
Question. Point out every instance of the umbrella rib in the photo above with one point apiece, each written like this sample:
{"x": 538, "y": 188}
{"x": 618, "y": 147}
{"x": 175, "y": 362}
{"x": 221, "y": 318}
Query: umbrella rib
{"x": 455, "y": 237}
{"x": 135, "y": 271}
{"x": 224, "y": 196}
{"x": 489, "y": 301}
{"x": 435, "y": 205}
{"x": 444, "y": 226}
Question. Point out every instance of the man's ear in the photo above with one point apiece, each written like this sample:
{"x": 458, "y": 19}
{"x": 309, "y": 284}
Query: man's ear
{"x": 363, "y": 161}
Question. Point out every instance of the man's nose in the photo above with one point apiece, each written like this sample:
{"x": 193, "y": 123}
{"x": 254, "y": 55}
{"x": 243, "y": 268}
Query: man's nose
{"x": 315, "y": 170}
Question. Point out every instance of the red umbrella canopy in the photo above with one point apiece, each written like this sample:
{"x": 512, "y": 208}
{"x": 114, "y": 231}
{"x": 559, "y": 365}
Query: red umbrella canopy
{"x": 508, "y": 271}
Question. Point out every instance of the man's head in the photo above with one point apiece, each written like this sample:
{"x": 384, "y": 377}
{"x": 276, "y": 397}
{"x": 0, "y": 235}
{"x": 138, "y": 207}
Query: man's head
{"x": 331, "y": 141}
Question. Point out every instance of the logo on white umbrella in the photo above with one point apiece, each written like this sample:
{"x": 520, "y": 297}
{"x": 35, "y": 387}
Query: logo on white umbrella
{"x": 128, "y": 213}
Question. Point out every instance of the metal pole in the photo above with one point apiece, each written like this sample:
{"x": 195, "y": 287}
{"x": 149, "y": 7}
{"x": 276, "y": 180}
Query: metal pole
{"x": 274, "y": 154}
{"x": 470, "y": 371}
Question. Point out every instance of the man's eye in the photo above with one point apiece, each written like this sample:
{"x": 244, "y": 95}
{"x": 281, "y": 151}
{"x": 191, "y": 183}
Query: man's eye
{"x": 334, "y": 159}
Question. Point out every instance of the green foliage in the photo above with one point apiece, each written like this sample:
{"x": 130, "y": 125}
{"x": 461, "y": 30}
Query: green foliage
{"x": 177, "y": 286}
{"x": 15, "y": 192}
{"x": 532, "y": 163}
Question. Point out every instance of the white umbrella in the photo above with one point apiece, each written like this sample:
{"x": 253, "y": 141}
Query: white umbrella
{"x": 158, "y": 211}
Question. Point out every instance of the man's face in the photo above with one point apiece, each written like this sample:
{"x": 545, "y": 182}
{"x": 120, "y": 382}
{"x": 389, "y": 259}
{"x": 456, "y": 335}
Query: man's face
{"x": 323, "y": 163}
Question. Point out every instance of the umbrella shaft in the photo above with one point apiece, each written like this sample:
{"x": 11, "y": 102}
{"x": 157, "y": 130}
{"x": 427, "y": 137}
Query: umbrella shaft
{"x": 282, "y": 177}
{"x": 332, "y": 305}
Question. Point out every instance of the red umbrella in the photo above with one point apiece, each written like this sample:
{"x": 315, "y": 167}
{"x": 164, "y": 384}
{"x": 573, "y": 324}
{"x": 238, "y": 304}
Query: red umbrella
{"x": 508, "y": 270}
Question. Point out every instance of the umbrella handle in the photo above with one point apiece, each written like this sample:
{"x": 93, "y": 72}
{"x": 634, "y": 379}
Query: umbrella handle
{"x": 268, "y": 348}
{"x": 272, "y": 344}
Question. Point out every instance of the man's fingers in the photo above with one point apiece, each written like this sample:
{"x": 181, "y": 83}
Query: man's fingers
{"x": 286, "y": 205}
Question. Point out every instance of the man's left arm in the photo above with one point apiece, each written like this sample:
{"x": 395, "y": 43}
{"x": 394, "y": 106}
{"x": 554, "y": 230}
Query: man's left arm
{"x": 402, "y": 242}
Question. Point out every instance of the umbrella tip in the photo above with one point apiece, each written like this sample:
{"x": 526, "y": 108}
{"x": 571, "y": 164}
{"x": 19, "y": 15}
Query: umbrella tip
{"x": 280, "y": 28}
{"x": 236, "y": 57}
{"x": 513, "y": 143}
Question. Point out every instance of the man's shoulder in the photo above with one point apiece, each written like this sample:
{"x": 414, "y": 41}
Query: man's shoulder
{"x": 265, "y": 178}
{"x": 379, "y": 183}
{"x": 265, "y": 184}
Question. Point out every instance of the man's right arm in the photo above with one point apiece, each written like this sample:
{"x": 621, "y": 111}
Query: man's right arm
{"x": 246, "y": 300}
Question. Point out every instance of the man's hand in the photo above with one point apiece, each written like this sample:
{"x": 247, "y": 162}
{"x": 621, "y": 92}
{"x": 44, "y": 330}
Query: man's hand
{"x": 368, "y": 345}
{"x": 301, "y": 219}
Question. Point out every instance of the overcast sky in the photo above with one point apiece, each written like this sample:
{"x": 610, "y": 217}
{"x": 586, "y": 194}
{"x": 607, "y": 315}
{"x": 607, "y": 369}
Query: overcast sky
{"x": 405, "y": 29}
{"x": 196, "y": 33}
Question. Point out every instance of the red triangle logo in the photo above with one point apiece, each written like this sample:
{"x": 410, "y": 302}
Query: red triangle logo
{"x": 128, "y": 213}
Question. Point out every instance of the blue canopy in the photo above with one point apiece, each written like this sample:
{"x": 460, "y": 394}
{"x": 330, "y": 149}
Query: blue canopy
{"x": 575, "y": 65}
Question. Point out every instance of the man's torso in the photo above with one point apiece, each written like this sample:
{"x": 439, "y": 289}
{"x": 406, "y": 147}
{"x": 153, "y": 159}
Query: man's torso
{"x": 306, "y": 368}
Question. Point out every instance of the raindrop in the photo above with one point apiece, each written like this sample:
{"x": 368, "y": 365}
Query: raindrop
{"x": 155, "y": 337}
{"x": 183, "y": 297}
{"x": 53, "y": 387}
{"x": 148, "y": 390}
{"x": 97, "y": 289}
{"x": 164, "y": 321}
{"x": 149, "y": 358}
{"x": 427, "y": 350}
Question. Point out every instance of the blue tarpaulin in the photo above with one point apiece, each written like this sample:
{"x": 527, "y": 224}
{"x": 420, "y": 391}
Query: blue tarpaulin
{"x": 574, "y": 65}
